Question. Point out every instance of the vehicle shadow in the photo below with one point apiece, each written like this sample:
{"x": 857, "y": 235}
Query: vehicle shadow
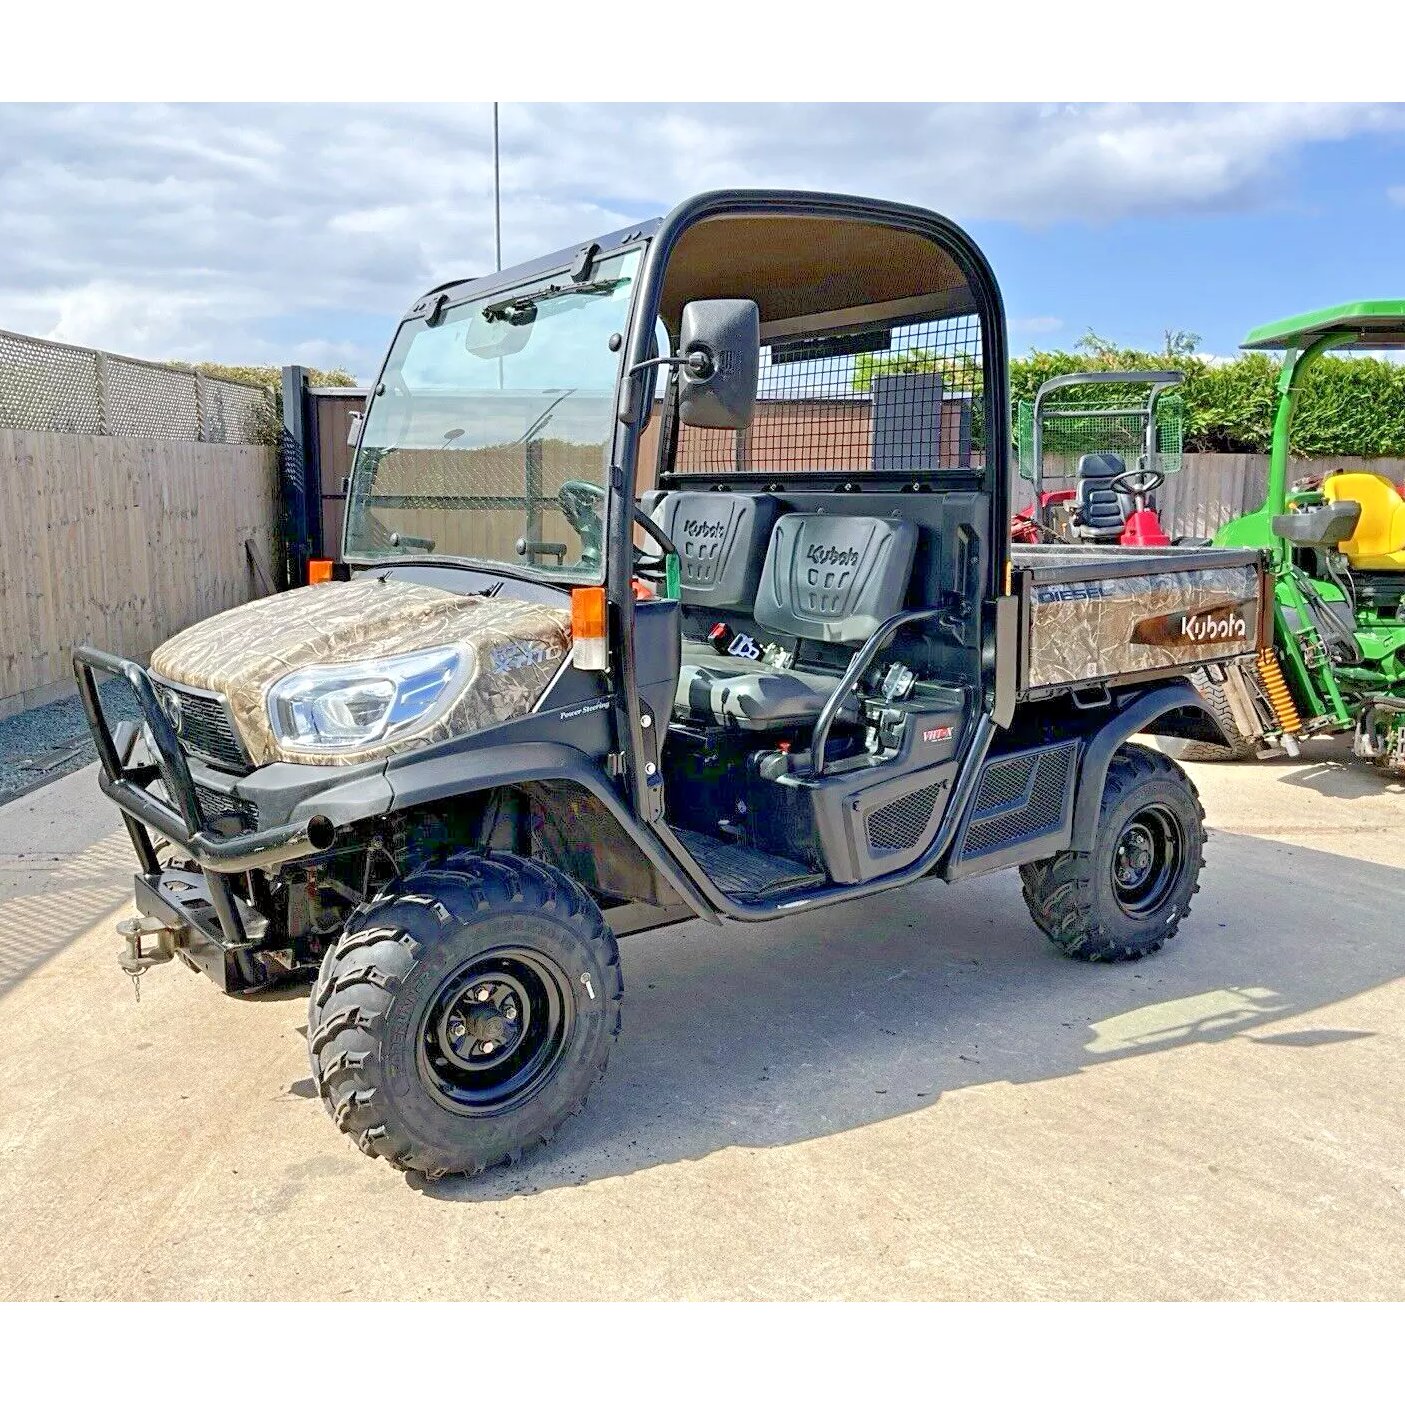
{"x": 778, "y": 1033}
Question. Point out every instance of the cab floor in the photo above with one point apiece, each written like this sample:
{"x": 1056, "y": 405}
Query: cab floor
{"x": 740, "y": 870}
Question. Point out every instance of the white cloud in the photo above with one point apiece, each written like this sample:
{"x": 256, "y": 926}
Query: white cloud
{"x": 243, "y": 233}
{"x": 1396, "y": 194}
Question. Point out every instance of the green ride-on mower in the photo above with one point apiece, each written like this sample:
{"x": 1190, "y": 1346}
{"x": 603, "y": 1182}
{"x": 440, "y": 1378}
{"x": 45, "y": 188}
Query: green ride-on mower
{"x": 659, "y": 610}
{"x": 1094, "y": 462}
{"x": 1338, "y": 567}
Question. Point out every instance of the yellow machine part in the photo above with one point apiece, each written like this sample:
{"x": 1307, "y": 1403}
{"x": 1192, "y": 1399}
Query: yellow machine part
{"x": 1276, "y": 686}
{"x": 1378, "y": 543}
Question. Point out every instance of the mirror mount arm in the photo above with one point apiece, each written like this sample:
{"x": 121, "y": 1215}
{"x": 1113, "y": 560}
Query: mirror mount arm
{"x": 699, "y": 364}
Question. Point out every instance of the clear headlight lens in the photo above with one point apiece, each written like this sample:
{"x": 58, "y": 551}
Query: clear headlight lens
{"x": 346, "y": 707}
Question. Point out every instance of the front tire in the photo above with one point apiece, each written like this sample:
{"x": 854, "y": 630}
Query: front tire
{"x": 463, "y": 1015}
{"x": 1125, "y": 897}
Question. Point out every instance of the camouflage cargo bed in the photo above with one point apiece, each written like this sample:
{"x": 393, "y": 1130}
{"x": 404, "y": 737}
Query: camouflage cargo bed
{"x": 1094, "y": 615}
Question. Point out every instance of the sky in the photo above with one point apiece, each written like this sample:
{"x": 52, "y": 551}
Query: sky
{"x": 271, "y": 233}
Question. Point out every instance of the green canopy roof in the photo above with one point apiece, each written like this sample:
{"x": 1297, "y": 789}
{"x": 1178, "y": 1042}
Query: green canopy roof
{"x": 1376, "y": 325}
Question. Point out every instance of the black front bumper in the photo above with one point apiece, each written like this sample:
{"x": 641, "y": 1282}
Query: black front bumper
{"x": 221, "y": 931}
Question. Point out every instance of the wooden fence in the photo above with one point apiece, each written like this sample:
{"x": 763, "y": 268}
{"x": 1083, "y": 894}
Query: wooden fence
{"x": 1210, "y": 489}
{"x": 121, "y": 542}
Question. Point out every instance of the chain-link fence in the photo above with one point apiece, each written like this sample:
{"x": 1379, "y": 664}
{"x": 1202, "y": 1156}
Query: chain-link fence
{"x": 75, "y": 390}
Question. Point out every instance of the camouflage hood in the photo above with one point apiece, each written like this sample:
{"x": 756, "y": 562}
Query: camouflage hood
{"x": 517, "y": 646}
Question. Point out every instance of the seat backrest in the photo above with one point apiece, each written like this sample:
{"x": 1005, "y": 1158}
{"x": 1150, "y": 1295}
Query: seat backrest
{"x": 1381, "y": 530}
{"x": 1099, "y": 507}
{"x": 834, "y": 578}
{"x": 721, "y": 540}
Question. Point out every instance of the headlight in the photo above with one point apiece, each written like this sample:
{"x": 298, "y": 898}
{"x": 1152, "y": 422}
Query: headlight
{"x": 346, "y": 707}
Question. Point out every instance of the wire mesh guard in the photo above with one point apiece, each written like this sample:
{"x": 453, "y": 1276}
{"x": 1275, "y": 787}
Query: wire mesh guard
{"x": 65, "y": 389}
{"x": 892, "y": 399}
{"x": 1070, "y": 431}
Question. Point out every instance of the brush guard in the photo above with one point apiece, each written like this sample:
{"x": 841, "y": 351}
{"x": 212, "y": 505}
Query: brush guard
{"x": 195, "y": 907}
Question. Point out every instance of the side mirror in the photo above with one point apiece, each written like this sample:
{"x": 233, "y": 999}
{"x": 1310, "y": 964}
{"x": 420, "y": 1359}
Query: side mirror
{"x": 719, "y": 350}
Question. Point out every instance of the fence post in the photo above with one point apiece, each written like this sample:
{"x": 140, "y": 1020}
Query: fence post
{"x": 301, "y": 503}
{"x": 100, "y": 379}
{"x": 200, "y": 406}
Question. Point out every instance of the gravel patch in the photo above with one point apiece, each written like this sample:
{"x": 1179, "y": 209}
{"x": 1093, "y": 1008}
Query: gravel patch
{"x": 44, "y": 743}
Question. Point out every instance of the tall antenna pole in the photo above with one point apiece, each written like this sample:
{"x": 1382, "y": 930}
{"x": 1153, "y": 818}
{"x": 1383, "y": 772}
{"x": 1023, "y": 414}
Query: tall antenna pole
{"x": 497, "y": 193}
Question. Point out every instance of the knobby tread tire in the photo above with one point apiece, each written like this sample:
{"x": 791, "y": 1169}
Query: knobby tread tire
{"x": 1239, "y": 749}
{"x": 1069, "y": 896}
{"x": 350, "y": 1007}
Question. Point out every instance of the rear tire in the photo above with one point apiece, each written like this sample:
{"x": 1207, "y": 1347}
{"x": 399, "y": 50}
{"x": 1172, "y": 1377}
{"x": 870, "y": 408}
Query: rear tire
{"x": 463, "y": 1015}
{"x": 1183, "y": 749}
{"x": 1125, "y": 897}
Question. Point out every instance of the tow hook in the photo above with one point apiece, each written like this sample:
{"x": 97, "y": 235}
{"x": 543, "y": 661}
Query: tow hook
{"x": 137, "y": 959}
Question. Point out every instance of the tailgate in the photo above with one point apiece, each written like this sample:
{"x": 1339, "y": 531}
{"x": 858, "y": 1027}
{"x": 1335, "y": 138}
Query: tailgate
{"x": 1099, "y": 614}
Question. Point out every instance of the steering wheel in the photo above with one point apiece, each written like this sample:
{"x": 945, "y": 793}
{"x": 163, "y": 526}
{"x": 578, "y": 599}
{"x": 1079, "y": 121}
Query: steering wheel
{"x": 581, "y": 504}
{"x": 1137, "y": 482}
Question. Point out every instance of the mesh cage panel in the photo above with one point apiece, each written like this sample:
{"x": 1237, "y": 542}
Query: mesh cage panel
{"x": 895, "y": 400}
{"x": 1121, "y": 430}
{"x": 74, "y": 390}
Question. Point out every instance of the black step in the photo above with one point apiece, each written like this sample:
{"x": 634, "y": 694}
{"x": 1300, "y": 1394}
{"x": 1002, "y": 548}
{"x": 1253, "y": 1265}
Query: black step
{"x": 741, "y": 871}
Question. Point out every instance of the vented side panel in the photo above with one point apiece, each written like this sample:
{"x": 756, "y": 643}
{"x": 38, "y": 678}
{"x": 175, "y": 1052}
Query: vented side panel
{"x": 901, "y": 823}
{"x": 1020, "y": 798}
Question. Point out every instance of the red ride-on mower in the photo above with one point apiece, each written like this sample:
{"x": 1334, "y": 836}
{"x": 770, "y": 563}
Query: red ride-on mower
{"x": 1074, "y": 446}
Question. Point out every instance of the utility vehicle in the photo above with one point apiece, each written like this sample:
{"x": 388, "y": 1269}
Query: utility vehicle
{"x": 801, "y": 666}
{"x": 1337, "y": 660}
{"x": 1074, "y": 446}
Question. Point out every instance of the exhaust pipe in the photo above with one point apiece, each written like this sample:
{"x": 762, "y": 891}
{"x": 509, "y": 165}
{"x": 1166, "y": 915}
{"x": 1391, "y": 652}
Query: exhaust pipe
{"x": 263, "y": 849}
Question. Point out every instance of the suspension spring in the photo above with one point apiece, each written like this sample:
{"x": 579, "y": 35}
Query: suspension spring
{"x": 1276, "y": 687}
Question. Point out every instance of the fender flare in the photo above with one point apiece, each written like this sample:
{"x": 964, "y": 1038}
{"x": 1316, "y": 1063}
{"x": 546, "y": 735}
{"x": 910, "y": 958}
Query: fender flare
{"x": 1098, "y": 750}
{"x": 484, "y": 768}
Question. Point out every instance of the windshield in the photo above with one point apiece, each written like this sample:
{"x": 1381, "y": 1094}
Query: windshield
{"x": 488, "y": 437}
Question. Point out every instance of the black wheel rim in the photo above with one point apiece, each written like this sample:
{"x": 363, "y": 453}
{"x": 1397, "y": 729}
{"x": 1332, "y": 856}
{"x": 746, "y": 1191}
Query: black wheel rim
{"x": 495, "y": 1031}
{"x": 1147, "y": 861}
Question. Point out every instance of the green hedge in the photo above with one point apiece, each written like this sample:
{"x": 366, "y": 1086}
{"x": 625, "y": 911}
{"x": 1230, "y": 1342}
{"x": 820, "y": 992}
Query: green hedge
{"x": 1350, "y": 404}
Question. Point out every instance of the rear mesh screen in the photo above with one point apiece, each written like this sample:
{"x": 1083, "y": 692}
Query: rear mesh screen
{"x": 890, "y": 400}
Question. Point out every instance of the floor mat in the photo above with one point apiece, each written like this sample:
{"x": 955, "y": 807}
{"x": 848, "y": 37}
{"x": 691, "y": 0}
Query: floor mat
{"x": 740, "y": 869}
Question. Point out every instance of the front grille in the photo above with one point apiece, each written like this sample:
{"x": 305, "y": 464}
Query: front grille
{"x": 901, "y": 823}
{"x": 1020, "y": 798}
{"x": 205, "y": 729}
{"x": 227, "y": 814}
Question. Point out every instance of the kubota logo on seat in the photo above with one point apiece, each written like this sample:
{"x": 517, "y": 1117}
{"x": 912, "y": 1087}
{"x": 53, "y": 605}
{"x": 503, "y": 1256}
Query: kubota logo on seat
{"x": 833, "y": 556}
{"x": 695, "y": 528}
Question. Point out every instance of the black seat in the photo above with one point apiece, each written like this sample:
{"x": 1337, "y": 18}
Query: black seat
{"x": 1102, "y": 512}
{"x": 825, "y": 578}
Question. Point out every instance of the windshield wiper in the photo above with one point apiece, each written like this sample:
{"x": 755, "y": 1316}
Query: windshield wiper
{"x": 516, "y": 310}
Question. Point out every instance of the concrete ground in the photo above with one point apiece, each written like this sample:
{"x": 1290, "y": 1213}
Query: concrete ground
{"x": 910, "y": 1097}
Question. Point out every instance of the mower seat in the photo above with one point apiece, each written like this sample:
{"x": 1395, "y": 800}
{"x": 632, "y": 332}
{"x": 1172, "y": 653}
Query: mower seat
{"x": 825, "y": 578}
{"x": 1100, "y": 512}
{"x": 1378, "y": 543}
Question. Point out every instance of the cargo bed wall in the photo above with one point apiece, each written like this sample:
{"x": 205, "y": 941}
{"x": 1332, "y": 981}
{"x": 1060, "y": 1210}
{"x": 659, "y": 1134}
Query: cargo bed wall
{"x": 1094, "y": 614}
